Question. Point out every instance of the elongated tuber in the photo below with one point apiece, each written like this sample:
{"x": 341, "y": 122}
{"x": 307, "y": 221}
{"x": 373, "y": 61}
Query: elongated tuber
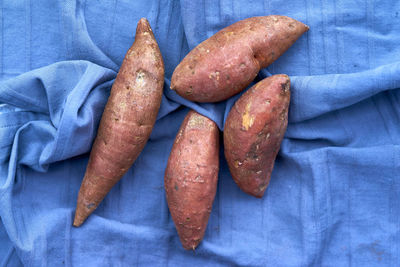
{"x": 191, "y": 177}
{"x": 127, "y": 121}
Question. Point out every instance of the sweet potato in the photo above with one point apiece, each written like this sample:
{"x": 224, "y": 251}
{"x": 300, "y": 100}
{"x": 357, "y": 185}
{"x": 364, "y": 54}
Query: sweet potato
{"x": 191, "y": 177}
{"x": 228, "y": 61}
{"x": 253, "y": 132}
{"x": 127, "y": 121}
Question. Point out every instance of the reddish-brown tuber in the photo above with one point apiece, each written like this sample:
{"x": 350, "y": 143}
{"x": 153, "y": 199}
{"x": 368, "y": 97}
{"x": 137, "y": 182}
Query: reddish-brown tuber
{"x": 253, "y": 132}
{"x": 191, "y": 177}
{"x": 127, "y": 121}
{"x": 228, "y": 61}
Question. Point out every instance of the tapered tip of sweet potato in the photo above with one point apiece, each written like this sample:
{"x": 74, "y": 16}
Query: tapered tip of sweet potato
{"x": 77, "y": 223}
{"x": 191, "y": 245}
{"x": 293, "y": 23}
{"x": 80, "y": 216}
{"x": 284, "y": 76}
{"x": 143, "y": 26}
{"x": 258, "y": 193}
{"x": 305, "y": 28}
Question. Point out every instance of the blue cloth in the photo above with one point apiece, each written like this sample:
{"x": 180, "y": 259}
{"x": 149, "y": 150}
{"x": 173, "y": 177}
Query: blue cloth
{"x": 334, "y": 195}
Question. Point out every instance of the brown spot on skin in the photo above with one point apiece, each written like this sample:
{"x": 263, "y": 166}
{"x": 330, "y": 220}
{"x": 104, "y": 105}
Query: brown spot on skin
{"x": 198, "y": 179}
{"x": 285, "y": 87}
{"x": 283, "y": 115}
{"x": 190, "y": 91}
{"x": 214, "y": 75}
{"x": 262, "y": 188}
{"x": 91, "y": 205}
{"x": 272, "y": 55}
{"x": 139, "y": 77}
{"x": 238, "y": 163}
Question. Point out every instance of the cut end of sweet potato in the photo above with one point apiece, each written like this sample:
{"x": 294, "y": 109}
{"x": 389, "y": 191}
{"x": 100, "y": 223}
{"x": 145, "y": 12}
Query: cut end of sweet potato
{"x": 143, "y": 26}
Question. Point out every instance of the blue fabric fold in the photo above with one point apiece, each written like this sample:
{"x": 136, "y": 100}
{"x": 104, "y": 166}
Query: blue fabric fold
{"x": 8, "y": 253}
{"x": 334, "y": 194}
{"x": 55, "y": 97}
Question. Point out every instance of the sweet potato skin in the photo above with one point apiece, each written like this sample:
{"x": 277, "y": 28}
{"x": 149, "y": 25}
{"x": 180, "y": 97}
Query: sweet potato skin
{"x": 253, "y": 132}
{"x": 127, "y": 121}
{"x": 228, "y": 61}
{"x": 191, "y": 177}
